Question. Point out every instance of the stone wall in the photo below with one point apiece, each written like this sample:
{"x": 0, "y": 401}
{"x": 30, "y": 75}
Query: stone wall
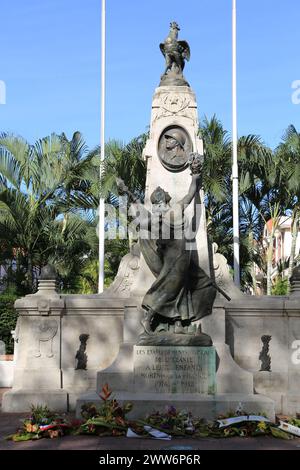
{"x": 6, "y": 373}
{"x": 50, "y": 326}
{"x": 48, "y": 335}
{"x": 247, "y": 321}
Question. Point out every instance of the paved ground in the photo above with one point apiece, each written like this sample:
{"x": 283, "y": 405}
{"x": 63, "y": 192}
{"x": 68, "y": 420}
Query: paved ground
{"x": 9, "y": 422}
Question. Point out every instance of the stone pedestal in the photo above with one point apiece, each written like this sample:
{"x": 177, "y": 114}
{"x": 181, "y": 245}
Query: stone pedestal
{"x": 136, "y": 377}
{"x": 231, "y": 378}
{"x": 209, "y": 383}
{"x": 46, "y": 366}
{"x": 37, "y": 374}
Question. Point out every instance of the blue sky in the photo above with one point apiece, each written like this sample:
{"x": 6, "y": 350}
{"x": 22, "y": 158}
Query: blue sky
{"x": 50, "y": 62}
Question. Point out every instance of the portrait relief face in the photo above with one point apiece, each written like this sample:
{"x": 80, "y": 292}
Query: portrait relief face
{"x": 171, "y": 143}
{"x": 174, "y": 147}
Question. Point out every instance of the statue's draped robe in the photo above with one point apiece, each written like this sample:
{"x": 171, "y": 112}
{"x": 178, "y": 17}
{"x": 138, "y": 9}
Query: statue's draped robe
{"x": 182, "y": 290}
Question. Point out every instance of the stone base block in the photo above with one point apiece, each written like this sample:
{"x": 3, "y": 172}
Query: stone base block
{"x": 231, "y": 378}
{"x": 265, "y": 382}
{"x": 6, "y": 373}
{"x": 291, "y": 404}
{"x": 19, "y": 401}
{"x": 79, "y": 381}
{"x": 203, "y": 406}
{"x": 43, "y": 378}
{"x": 275, "y": 386}
{"x": 119, "y": 376}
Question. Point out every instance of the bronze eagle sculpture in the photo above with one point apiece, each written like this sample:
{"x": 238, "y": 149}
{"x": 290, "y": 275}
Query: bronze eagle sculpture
{"x": 174, "y": 51}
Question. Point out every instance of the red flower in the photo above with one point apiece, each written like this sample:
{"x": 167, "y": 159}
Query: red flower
{"x": 106, "y": 392}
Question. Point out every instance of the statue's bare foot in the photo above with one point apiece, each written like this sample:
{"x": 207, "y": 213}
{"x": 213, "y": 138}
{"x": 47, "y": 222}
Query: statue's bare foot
{"x": 162, "y": 328}
{"x": 179, "y": 328}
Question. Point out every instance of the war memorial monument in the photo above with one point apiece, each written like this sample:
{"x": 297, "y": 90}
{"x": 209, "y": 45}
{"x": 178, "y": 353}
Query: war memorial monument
{"x": 172, "y": 329}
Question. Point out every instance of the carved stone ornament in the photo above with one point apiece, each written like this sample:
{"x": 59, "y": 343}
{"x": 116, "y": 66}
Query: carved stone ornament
{"x": 174, "y": 148}
{"x": 81, "y": 355}
{"x": 45, "y": 330}
{"x": 173, "y": 104}
{"x": 43, "y": 306}
{"x": 264, "y": 355}
{"x": 128, "y": 269}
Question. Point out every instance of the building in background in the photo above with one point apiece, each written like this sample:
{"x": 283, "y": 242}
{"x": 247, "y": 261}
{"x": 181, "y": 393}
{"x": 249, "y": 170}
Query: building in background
{"x": 282, "y": 244}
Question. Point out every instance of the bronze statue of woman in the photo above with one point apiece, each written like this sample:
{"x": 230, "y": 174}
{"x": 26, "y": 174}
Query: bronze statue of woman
{"x": 182, "y": 292}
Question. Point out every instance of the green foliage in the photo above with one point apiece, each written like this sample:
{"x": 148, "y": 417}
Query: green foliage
{"x": 114, "y": 252}
{"x": 280, "y": 287}
{"x": 126, "y": 162}
{"x": 171, "y": 421}
{"x": 41, "y": 414}
{"x": 280, "y": 434}
{"x": 49, "y": 195}
{"x": 254, "y": 166}
{"x": 107, "y": 419}
{"x": 294, "y": 422}
{"x": 38, "y": 211}
{"x": 87, "y": 282}
{"x": 8, "y": 320}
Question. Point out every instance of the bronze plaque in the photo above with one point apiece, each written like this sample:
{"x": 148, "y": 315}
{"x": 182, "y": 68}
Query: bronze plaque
{"x": 174, "y": 148}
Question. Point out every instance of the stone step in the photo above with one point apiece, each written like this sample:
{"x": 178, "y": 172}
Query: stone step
{"x": 202, "y": 406}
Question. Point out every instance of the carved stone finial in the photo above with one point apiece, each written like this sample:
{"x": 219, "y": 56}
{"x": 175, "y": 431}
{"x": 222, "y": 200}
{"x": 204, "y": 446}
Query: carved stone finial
{"x": 47, "y": 281}
{"x": 48, "y": 273}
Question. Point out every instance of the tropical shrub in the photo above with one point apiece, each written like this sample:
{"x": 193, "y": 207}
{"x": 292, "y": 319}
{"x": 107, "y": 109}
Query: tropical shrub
{"x": 8, "y": 320}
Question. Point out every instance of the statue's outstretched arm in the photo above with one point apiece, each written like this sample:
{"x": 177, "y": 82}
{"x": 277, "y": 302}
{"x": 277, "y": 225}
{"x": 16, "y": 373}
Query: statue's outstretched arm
{"x": 193, "y": 189}
{"x": 196, "y": 164}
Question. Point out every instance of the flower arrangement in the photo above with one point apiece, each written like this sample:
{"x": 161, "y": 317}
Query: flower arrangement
{"x": 109, "y": 419}
{"x": 171, "y": 421}
{"x": 44, "y": 423}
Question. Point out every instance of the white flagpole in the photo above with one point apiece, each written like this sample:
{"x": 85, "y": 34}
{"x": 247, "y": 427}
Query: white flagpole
{"x": 102, "y": 153}
{"x": 235, "y": 176}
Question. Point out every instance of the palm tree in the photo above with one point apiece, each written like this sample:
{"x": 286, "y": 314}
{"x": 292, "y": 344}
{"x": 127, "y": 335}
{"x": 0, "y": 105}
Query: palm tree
{"x": 36, "y": 188}
{"x": 288, "y": 156}
{"x": 253, "y": 168}
{"x": 216, "y": 183}
{"x": 217, "y": 164}
{"x": 72, "y": 247}
{"x": 126, "y": 162}
{"x": 258, "y": 175}
{"x": 23, "y": 221}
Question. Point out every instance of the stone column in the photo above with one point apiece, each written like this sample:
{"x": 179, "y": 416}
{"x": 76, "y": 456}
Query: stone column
{"x": 173, "y": 107}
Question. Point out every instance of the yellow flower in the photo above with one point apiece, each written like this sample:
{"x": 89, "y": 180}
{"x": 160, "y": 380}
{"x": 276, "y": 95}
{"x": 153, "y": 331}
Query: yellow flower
{"x": 262, "y": 426}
